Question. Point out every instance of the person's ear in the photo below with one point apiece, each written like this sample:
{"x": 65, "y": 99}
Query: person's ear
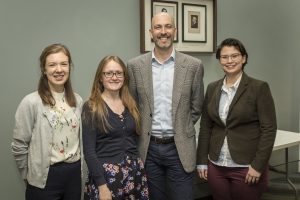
{"x": 150, "y": 32}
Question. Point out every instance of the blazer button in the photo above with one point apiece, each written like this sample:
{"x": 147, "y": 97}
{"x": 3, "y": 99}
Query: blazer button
{"x": 150, "y": 114}
{"x": 148, "y": 133}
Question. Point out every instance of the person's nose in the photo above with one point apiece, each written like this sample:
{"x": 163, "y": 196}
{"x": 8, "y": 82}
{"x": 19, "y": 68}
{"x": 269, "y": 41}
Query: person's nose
{"x": 59, "y": 68}
{"x": 114, "y": 77}
{"x": 230, "y": 59}
{"x": 163, "y": 30}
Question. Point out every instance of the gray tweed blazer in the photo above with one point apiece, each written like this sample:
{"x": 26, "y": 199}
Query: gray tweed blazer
{"x": 188, "y": 96}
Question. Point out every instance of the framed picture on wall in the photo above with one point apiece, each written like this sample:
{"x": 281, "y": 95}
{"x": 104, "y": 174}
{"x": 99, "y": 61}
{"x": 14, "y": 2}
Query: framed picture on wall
{"x": 194, "y": 20}
{"x": 170, "y": 7}
{"x": 196, "y": 23}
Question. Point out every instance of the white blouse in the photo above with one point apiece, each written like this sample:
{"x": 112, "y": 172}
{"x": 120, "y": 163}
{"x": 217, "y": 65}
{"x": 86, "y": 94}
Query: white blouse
{"x": 65, "y": 143}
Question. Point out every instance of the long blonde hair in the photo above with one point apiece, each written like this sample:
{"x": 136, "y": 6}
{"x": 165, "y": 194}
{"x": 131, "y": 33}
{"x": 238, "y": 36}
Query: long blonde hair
{"x": 97, "y": 105}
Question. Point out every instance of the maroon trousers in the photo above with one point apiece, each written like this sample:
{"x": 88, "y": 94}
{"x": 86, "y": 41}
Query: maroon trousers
{"x": 228, "y": 183}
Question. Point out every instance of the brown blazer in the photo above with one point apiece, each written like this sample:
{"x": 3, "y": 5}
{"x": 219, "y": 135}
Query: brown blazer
{"x": 188, "y": 95}
{"x": 250, "y": 127}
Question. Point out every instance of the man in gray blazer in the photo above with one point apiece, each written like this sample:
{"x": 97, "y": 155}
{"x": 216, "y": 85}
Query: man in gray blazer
{"x": 168, "y": 88}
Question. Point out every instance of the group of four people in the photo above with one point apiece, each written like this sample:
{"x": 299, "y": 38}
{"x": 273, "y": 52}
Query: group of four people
{"x": 136, "y": 130}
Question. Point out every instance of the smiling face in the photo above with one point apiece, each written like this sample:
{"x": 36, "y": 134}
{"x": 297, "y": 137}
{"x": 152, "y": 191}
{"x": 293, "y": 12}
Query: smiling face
{"x": 112, "y": 77}
{"x": 231, "y": 60}
{"x": 57, "y": 70}
{"x": 163, "y": 31}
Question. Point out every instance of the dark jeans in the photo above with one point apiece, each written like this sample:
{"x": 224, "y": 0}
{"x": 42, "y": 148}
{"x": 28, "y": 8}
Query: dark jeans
{"x": 63, "y": 183}
{"x": 166, "y": 176}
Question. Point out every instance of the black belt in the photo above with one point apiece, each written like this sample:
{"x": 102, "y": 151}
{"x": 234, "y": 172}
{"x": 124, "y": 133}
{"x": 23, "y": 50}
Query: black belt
{"x": 164, "y": 140}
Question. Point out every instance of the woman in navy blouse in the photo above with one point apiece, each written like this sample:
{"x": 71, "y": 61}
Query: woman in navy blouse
{"x": 110, "y": 124}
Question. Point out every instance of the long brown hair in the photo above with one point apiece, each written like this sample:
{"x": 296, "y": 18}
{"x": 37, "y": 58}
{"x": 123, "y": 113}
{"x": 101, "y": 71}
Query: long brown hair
{"x": 43, "y": 87}
{"x": 96, "y": 103}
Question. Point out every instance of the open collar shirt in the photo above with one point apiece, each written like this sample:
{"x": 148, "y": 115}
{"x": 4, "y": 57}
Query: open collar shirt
{"x": 163, "y": 75}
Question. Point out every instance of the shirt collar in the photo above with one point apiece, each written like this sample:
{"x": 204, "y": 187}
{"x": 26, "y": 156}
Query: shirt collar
{"x": 172, "y": 57}
{"x": 235, "y": 85}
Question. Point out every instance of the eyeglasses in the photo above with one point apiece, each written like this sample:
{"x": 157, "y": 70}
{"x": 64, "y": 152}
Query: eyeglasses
{"x": 111, "y": 74}
{"x": 233, "y": 57}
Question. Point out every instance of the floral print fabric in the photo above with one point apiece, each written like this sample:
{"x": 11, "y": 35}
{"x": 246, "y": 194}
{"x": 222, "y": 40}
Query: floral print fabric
{"x": 65, "y": 126}
{"x": 126, "y": 180}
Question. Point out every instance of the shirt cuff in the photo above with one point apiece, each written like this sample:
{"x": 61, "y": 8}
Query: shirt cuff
{"x": 201, "y": 166}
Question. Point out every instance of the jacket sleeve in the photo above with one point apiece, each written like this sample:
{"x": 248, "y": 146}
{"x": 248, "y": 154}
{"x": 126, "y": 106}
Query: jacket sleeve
{"x": 268, "y": 127}
{"x": 198, "y": 93}
{"x": 132, "y": 82}
{"x": 24, "y": 124}
{"x": 205, "y": 132}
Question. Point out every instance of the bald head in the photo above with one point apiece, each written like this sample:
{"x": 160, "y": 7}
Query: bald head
{"x": 163, "y": 32}
{"x": 162, "y": 15}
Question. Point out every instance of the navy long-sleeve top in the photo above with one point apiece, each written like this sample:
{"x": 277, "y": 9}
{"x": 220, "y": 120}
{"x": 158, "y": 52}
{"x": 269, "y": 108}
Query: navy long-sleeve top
{"x": 100, "y": 147}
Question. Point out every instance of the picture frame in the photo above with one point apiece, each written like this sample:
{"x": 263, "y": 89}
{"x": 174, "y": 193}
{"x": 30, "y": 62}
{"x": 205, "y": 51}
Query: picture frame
{"x": 194, "y": 20}
{"x": 203, "y": 43}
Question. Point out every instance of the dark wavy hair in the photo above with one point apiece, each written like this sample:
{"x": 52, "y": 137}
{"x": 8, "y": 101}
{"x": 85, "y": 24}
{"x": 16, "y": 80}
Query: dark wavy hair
{"x": 232, "y": 42}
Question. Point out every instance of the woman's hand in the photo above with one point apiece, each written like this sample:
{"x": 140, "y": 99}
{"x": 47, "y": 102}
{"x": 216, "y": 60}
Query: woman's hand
{"x": 104, "y": 193}
{"x": 252, "y": 176}
{"x": 202, "y": 173}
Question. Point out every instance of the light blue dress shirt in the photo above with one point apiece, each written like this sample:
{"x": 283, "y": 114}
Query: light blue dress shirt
{"x": 163, "y": 74}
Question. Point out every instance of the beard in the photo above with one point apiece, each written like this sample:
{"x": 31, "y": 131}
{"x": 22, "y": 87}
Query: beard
{"x": 164, "y": 45}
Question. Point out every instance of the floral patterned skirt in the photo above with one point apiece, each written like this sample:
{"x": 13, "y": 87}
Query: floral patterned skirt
{"x": 125, "y": 180}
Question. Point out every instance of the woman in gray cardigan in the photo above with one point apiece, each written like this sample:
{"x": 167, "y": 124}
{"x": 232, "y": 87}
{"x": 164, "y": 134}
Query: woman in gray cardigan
{"x": 47, "y": 134}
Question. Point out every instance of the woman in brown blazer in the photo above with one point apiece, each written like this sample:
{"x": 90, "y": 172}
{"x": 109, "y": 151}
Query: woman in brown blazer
{"x": 237, "y": 129}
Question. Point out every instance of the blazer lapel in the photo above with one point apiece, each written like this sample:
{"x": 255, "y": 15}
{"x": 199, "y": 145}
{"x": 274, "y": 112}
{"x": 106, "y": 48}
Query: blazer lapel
{"x": 146, "y": 74}
{"x": 216, "y": 100}
{"x": 241, "y": 89}
{"x": 180, "y": 70}
{"x": 218, "y": 95}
